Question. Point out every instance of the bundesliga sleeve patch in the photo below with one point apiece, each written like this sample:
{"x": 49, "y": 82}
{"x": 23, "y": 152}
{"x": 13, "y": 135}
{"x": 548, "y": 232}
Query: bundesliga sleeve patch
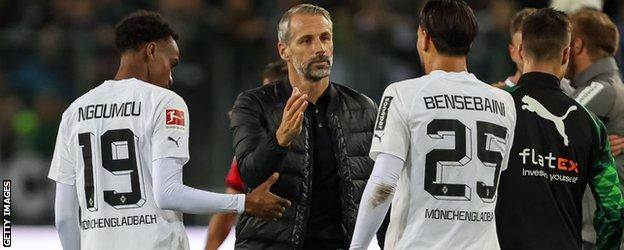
{"x": 383, "y": 113}
{"x": 174, "y": 117}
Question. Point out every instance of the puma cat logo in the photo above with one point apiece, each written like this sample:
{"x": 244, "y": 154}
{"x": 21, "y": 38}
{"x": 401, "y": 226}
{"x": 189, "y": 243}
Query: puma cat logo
{"x": 378, "y": 136}
{"x": 536, "y": 107}
{"x": 176, "y": 141}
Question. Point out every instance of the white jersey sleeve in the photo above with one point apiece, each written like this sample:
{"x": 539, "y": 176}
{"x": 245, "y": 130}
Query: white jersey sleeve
{"x": 171, "y": 129}
{"x": 392, "y": 134}
{"x": 62, "y": 167}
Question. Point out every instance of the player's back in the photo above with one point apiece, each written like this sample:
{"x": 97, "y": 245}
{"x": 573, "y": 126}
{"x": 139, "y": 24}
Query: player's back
{"x": 559, "y": 150}
{"x": 460, "y": 131}
{"x": 111, "y": 135}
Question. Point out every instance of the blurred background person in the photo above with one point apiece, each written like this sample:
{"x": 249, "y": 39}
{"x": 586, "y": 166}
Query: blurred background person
{"x": 515, "y": 32}
{"x": 221, "y": 224}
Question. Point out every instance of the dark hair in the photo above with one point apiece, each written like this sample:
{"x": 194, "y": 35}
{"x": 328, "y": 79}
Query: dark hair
{"x": 545, "y": 33}
{"x": 516, "y": 21}
{"x": 597, "y": 31}
{"x": 451, "y": 24}
{"x": 141, "y": 27}
{"x": 275, "y": 70}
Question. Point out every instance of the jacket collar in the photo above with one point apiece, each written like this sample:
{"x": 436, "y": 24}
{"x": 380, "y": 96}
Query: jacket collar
{"x": 284, "y": 90}
{"x": 600, "y": 66}
{"x": 539, "y": 79}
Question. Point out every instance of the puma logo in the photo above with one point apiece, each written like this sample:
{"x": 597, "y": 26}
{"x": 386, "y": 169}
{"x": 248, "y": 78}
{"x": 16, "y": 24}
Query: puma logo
{"x": 536, "y": 107}
{"x": 378, "y": 136}
{"x": 176, "y": 141}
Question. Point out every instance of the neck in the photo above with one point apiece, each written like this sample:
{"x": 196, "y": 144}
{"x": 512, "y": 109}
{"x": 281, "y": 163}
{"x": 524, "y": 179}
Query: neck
{"x": 314, "y": 89}
{"x": 516, "y": 77}
{"x": 582, "y": 62}
{"x": 129, "y": 67}
{"x": 448, "y": 64}
{"x": 543, "y": 67}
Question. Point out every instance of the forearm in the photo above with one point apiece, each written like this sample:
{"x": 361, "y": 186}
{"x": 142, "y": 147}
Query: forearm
{"x": 608, "y": 221}
{"x": 220, "y": 226}
{"x": 376, "y": 199}
{"x": 171, "y": 194}
{"x": 66, "y": 216}
{"x": 605, "y": 184}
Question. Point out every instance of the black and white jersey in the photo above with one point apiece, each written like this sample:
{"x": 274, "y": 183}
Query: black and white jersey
{"x": 105, "y": 146}
{"x": 454, "y": 133}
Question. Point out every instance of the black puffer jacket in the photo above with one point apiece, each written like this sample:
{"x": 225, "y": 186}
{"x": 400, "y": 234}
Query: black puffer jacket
{"x": 255, "y": 118}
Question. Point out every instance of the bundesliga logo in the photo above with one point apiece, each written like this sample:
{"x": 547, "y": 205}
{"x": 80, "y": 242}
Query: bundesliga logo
{"x": 174, "y": 117}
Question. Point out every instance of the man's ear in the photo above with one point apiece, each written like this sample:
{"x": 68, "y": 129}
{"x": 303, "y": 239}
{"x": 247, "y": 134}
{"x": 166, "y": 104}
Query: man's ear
{"x": 427, "y": 40}
{"x": 150, "y": 50}
{"x": 566, "y": 56}
{"x": 283, "y": 51}
{"x": 521, "y": 52}
{"x": 577, "y": 46}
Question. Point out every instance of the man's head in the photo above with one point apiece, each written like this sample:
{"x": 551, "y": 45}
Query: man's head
{"x": 447, "y": 28}
{"x": 306, "y": 42}
{"x": 515, "y": 32}
{"x": 274, "y": 71}
{"x": 594, "y": 36}
{"x": 149, "y": 42}
{"x": 546, "y": 40}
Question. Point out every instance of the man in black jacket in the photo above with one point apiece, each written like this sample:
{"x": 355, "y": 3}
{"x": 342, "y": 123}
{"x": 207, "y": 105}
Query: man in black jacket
{"x": 315, "y": 133}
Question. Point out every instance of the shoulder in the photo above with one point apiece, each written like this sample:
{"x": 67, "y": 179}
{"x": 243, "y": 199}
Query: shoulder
{"x": 357, "y": 97}
{"x": 159, "y": 94}
{"x": 406, "y": 91}
{"x": 264, "y": 94}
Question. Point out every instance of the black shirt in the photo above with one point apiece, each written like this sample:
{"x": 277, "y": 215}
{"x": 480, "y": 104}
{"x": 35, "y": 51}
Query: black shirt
{"x": 558, "y": 147}
{"x": 324, "y": 229}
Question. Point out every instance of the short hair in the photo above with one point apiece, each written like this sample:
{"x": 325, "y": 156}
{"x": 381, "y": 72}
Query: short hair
{"x": 275, "y": 70}
{"x": 545, "y": 33}
{"x": 516, "y": 21}
{"x": 451, "y": 24}
{"x": 283, "y": 28}
{"x": 141, "y": 27}
{"x": 597, "y": 31}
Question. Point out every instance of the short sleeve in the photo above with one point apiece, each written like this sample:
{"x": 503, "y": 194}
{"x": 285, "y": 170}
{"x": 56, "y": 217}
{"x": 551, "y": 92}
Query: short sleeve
{"x": 171, "y": 129}
{"x": 391, "y": 134}
{"x": 511, "y": 131}
{"x": 62, "y": 168}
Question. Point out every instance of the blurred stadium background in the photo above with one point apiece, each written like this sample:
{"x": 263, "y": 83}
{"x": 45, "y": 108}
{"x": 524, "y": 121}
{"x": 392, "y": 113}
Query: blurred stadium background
{"x": 53, "y": 51}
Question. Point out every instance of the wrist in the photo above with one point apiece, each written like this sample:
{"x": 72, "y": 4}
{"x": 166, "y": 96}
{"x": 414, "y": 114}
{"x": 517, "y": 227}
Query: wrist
{"x": 280, "y": 141}
{"x": 241, "y": 206}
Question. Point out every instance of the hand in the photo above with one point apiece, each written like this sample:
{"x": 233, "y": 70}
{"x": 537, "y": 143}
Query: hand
{"x": 264, "y": 204}
{"x": 292, "y": 118}
{"x": 617, "y": 144}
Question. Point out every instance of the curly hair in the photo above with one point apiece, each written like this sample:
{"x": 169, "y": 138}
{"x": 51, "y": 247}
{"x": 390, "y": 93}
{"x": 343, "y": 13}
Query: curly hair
{"x": 142, "y": 27}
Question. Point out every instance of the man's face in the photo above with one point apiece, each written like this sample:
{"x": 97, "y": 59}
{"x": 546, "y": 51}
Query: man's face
{"x": 161, "y": 61}
{"x": 311, "y": 47}
{"x": 514, "y": 50}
